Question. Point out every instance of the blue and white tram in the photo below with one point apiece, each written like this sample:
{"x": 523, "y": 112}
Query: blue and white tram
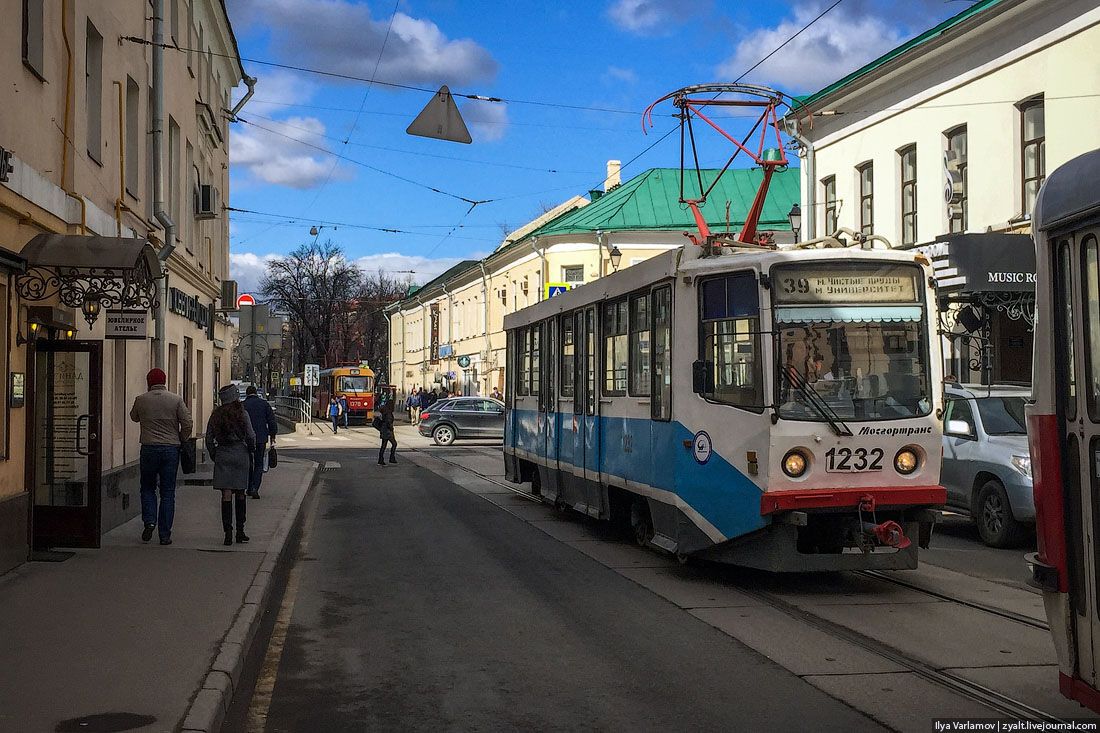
{"x": 771, "y": 408}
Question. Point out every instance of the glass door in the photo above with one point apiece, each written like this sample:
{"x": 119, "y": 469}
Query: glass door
{"x": 64, "y": 440}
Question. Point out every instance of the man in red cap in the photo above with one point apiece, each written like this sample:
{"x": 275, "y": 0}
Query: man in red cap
{"x": 165, "y": 424}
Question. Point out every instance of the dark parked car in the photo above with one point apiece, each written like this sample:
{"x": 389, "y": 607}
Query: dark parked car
{"x": 462, "y": 417}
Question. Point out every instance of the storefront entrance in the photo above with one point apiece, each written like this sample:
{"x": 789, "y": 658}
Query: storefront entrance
{"x": 63, "y": 443}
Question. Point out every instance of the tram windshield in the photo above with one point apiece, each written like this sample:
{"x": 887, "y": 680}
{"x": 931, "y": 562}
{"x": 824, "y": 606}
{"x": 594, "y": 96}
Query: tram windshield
{"x": 354, "y": 384}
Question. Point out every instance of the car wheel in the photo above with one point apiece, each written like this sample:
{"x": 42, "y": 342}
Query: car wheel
{"x": 443, "y": 435}
{"x": 993, "y": 514}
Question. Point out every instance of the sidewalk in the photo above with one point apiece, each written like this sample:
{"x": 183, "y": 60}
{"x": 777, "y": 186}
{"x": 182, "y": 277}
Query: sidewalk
{"x": 134, "y": 630}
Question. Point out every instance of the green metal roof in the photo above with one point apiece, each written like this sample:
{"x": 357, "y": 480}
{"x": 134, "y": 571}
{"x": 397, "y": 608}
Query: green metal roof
{"x": 651, "y": 202}
{"x": 923, "y": 38}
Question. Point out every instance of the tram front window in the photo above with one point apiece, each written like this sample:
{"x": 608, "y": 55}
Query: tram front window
{"x": 853, "y": 370}
{"x": 354, "y": 384}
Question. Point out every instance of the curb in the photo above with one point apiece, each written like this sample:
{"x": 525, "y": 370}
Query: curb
{"x": 207, "y": 710}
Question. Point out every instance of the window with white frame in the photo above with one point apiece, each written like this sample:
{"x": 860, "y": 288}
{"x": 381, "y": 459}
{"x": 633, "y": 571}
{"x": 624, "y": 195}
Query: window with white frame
{"x": 572, "y": 274}
{"x": 866, "y": 197}
{"x": 829, "y": 184}
{"x": 907, "y": 158}
{"x": 956, "y": 151}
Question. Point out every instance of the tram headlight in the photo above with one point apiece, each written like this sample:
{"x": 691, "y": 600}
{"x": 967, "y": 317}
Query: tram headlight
{"x": 795, "y": 464}
{"x": 906, "y": 461}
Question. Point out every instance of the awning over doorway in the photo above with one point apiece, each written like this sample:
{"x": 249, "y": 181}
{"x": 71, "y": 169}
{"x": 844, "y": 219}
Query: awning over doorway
{"x": 992, "y": 262}
{"x": 117, "y": 272}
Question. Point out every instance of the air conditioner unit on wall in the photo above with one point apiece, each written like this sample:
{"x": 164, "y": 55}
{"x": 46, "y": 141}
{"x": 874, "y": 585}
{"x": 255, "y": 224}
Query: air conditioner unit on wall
{"x": 206, "y": 202}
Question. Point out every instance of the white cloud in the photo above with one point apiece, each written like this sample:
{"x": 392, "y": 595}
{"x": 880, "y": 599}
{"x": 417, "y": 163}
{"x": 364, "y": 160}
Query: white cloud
{"x": 278, "y": 158}
{"x": 489, "y": 120}
{"x": 248, "y": 268}
{"x": 837, "y": 44}
{"x": 342, "y": 36}
{"x": 649, "y": 17}
{"x": 618, "y": 75}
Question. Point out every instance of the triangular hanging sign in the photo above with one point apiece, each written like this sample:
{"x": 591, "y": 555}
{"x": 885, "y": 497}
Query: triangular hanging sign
{"x": 441, "y": 120}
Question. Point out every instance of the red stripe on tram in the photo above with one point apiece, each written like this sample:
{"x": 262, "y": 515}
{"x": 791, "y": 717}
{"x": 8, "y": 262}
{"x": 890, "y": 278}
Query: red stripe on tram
{"x": 1046, "y": 470}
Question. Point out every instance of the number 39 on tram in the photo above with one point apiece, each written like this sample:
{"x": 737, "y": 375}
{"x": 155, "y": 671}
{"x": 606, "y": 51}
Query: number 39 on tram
{"x": 1064, "y": 420}
{"x": 772, "y": 408}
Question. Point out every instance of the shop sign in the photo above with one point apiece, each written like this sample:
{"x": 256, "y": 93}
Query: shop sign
{"x": 127, "y": 324}
{"x": 189, "y": 307}
{"x": 993, "y": 261}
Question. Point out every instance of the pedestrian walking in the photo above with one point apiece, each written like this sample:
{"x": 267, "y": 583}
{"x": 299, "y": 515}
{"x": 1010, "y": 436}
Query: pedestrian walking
{"x": 231, "y": 442}
{"x": 266, "y": 428}
{"x": 386, "y": 430}
{"x": 334, "y": 414}
{"x": 165, "y": 424}
{"x": 496, "y": 395}
{"x": 425, "y": 398}
{"x": 344, "y": 409}
{"x": 412, "y": 405}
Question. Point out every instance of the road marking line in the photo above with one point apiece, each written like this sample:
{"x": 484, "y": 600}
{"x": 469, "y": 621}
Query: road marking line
{"x": 260, "y": 704}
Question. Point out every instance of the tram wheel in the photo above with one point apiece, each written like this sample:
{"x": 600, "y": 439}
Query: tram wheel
{"x": 641, "y": 523}
{"x": 993, "y": 514}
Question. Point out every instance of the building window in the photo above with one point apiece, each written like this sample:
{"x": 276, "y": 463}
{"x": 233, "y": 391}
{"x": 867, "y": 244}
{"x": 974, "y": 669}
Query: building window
{"x": 866, "y": 197}
{"x": 191, "y": 36}
{"x": 615, "y": 360}
{"x": 33, "y": 31}
{"x": 573, "y": 274}
{"x": 639, "y": 346}
{"x": 523, "y": 356}
{"x": 93, "y": 90}
{"x": 829, "y": 184}
{"x": 730, "y": 347}
{"x": 568, "y": 350}
{"x": 134, "y": 134}
{"x": 174, "y": 20}
{"x": 1033, "y": 150}
{"x": 908, "y": 159}
{"x": 174, "y": 171}
{"x": 660, "y": 405}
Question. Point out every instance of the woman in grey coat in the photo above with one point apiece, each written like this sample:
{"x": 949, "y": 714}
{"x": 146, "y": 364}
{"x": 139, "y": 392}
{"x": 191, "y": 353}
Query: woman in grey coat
{"x": 230, "y": 441}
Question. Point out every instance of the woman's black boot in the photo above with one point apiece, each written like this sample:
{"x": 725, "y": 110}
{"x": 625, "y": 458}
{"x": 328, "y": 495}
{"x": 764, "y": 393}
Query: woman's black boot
{"x": 239, "y": 503}
{"x": 227, "y": 521}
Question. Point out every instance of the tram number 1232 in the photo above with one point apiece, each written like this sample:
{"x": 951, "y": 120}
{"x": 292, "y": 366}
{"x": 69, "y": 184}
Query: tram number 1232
{"x": 847, "y": 460}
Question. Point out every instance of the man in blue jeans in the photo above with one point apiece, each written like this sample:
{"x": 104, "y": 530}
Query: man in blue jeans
{"x": 165, "y": 424}
{"x": 266, "y": 428}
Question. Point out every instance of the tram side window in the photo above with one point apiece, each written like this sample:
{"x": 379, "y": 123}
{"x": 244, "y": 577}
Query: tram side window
{"x": 1090, "y": 282}
{"x": 1064, "y": 288}
{"x": 567, "y": 351}
{"x": 661, "y": 403}
{"x": 523, "y": 357}
{"x": 590, "y": 397}
{"x": 535, "y": 358}
{"x": 730, "y": 371}
{"x": 615, "y": 324}
{"x": 639, "y": 346}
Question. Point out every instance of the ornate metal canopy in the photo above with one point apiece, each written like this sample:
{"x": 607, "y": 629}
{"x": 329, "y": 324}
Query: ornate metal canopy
{"x": 90, "y": 272}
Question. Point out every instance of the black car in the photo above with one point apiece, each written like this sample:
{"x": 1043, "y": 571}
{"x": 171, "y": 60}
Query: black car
{"x": 462, "y": 417}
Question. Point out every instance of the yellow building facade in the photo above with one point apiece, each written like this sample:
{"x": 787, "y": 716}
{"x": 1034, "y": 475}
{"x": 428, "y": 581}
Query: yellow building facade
{"x": 75, "y": 134}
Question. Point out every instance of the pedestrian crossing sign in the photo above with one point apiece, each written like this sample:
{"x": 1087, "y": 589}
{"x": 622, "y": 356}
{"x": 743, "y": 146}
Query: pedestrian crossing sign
{"x": 552, "y": 289}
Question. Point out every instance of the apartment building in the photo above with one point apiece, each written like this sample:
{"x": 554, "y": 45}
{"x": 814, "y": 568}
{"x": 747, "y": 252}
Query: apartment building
{"x": 942, "y": 144}
{"x": 80, "y": 244}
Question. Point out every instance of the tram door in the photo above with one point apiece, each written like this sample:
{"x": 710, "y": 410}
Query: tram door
{"x": 1077, "y": 295}
{"x": 590, "y": 424}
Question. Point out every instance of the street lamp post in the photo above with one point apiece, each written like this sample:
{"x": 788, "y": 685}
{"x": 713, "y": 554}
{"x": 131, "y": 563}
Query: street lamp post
{"x": 794, "y": 216}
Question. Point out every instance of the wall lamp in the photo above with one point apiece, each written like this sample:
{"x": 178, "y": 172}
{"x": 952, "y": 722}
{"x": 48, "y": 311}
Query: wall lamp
{"x": 616, "y": 257}
{"x": 33, "y": 329}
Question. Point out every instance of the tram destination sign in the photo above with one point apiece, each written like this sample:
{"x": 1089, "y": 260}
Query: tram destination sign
{"x": 882, "y": 284}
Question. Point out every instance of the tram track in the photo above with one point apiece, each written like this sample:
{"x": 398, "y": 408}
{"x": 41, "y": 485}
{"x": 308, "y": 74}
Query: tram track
{"x": 998, "y": 702}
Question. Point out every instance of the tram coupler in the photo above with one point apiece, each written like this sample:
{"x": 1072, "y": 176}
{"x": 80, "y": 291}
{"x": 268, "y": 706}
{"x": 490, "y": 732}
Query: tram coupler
{"x": 888, "y": 533}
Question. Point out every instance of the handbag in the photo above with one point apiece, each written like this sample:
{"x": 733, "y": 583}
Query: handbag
{"x": 377, "y": 423}
{"x": 272, "y": 457}
{"x": 187, "y": 456}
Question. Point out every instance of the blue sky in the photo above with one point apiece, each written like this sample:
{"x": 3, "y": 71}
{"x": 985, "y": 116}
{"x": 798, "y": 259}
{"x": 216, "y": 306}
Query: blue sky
{"x": 612, "y": 54}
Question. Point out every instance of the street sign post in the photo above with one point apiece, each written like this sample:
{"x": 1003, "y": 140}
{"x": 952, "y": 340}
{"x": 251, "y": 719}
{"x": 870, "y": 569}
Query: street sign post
{"x": 311, "y": 377}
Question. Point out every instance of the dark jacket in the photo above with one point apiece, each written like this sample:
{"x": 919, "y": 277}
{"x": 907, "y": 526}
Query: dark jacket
{"x": 262, "y": 417}
{"x": 232, "y": 453}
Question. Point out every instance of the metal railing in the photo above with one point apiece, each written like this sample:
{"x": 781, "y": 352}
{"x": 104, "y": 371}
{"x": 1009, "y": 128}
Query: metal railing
{"x": 293, "y": 408}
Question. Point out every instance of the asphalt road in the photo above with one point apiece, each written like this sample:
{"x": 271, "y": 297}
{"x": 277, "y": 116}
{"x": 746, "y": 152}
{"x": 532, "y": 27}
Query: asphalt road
{"x": 420, "y": 606}
{"x": 957, "y": 546}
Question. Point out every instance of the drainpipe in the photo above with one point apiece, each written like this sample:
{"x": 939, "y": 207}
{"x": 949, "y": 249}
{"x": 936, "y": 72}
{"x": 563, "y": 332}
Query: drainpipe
{"x": 542, "y": 267}
{"x": 811, "y": 174}
{"x": 120, "y": 202}
{"x": 599, "y": 252}
{"x": 160, "y": 356}
{"x": 250, "y": 81}
{"x": 485, "y": 308}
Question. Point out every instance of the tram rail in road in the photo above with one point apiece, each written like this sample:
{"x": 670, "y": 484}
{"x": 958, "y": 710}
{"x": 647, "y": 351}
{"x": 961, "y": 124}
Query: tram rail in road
{"x": 992, "y": 699}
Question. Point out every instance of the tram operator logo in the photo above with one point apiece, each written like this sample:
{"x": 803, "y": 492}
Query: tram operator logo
{"x": 896, "y": 431}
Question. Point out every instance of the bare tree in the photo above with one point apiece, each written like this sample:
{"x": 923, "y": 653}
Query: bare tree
{"x": 315, "y": 284}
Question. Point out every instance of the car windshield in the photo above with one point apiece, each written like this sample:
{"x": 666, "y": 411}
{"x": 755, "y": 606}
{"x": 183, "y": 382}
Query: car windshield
{"x": 853, "y": 369}
{"x": 1003, "y": 415}
{"x": 354, "y": 384}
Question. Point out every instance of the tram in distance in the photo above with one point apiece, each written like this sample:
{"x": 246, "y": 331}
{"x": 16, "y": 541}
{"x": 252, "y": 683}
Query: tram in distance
{"x": 771, "y": 407}
{"x": 355, "y": 383}
{"x": 1064, "y": 420}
